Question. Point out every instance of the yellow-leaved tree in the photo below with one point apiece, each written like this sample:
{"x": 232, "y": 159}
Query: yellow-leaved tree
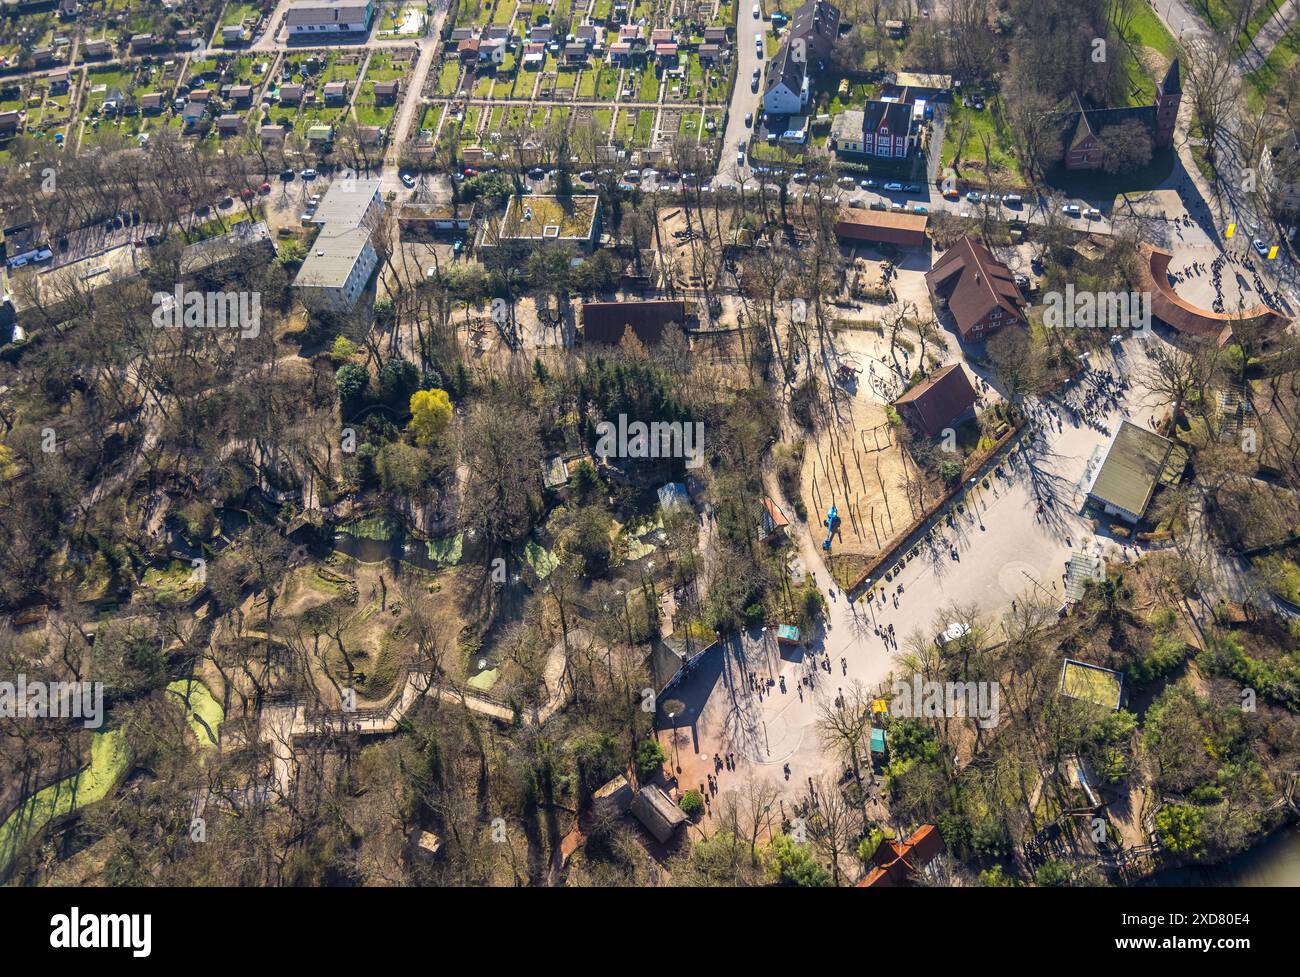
{"x": 430, "y": 415}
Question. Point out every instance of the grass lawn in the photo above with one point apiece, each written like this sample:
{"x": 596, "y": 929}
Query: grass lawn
{"x": 1280, "y": 61}
{"x": 649, "y": 87}
{"x": 109, "y": 759}
{"x": 1218, "y": 15}
{"x": 504, "y": 11}
{"x": 602, "y": 119}
{"x": 963, "y": 140}
{"x": 524, "y": 83}
{"x": 199, "y": 705}
{"x": 237, "y": 13}
{"x": 645, "y": 125}
{"x": 607, "y": 84}
{"x": 1149, "y": 30}
{"x": 587, "y": 83}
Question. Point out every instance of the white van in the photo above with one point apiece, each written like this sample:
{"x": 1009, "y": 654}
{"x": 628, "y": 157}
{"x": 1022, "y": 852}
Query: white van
{"x": 758, "y": 14}
{"x": 1012, "y": 200}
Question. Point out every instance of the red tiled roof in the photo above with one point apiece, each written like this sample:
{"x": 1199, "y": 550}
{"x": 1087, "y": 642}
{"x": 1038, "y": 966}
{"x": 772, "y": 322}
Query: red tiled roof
{"x": 895, "y": 863}
{"x": 975, "y": 284}
{"x": 1180, "y": 314}
{"x": 882, "y": 226}
{"x": 939, "y": 399}
{"x": 777, "y": 516}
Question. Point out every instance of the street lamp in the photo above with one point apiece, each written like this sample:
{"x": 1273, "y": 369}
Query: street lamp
{"x": 674, "y": 708}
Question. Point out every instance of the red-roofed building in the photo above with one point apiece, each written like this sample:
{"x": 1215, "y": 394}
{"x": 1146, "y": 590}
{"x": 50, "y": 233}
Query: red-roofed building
{"x": 977, "y": 289}
{"x": 939, "y": 401}
{"x": 895, "y": 864}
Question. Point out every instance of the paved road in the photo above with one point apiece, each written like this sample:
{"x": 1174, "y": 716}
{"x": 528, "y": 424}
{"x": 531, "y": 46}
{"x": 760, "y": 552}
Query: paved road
{"x": 743, "y": 100}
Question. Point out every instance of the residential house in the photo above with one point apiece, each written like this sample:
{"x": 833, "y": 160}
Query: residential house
{"x": 192, "y": 116}
{"x": 977, "y": 290}
{"x": 386, "y": 92}
{"x": 233, "y": 34}
{"x": 715, "y": 35}
{"x": 59, "y": 81}
{"x": 229, "y": 124}
{"x": 241, "y": 96}
{"x": 335, "y": 92}
{"x": 787, "y": 84}
{"x": 709, "y": 53}
{"x": 574, "y": 54}
{"x": 808, "y": 42}
{"x": 187, "y": 38}
{"x": 141, "y": 42}
{"x": 271, "y": 135}
{"x": 98, "y": 48}
{"x": 882, "y": 129}
{"x": 152, "y": 102}
{"x": 9, "y": 123}
{"x": 291, "y": 94}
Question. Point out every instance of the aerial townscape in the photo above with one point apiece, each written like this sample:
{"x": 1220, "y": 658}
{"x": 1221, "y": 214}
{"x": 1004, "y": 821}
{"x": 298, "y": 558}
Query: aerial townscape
{"x": 649, "y": 443}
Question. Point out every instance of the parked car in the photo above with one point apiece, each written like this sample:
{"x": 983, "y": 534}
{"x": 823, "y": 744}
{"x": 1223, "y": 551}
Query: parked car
{"x": 758, "y": 14}
{"x": 749, "y": 119}
{"x": 308, "y": 174}
{"x": 1092, "y": 213}
{"x": 868, "y": 184}
{"x": 1259, "y": 246}
{"x": 286, "y": 175}
{"x": 1071, "y": 210}
{"x": 407, "y": 180}
{"x": 893, "y": 187}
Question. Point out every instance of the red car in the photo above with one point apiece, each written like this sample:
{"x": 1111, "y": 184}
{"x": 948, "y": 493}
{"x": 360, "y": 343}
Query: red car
{"x": 265, "y": 188}
{"x": 246, "y": 193}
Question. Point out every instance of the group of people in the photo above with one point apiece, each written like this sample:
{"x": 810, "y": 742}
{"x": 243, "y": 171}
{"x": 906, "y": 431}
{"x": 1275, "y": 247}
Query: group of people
{"x": 1103, "y": 392}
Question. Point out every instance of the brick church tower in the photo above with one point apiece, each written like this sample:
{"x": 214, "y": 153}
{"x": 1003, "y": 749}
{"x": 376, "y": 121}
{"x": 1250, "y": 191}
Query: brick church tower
{"x": 1169, "y": 94}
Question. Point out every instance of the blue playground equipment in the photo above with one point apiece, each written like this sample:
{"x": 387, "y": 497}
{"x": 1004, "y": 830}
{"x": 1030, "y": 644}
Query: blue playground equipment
{"x": 832, "y": 520}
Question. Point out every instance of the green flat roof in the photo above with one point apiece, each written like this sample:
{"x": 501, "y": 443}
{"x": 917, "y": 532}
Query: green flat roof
{"x": 877, "y": 740}
{"x": 1079, "y": 680}
{"x": 1132, "y": 469}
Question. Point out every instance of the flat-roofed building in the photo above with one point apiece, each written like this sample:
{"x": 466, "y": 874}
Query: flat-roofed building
{"x": 316, "y": 17}
{"x": 535, "y": 219}
{"x": 1127, "y": 478}
{"x": 342, "y": 259}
